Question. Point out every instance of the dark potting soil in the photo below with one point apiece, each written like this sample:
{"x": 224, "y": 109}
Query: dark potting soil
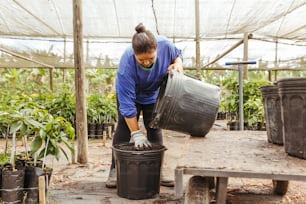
{"x": 131, "y": 147}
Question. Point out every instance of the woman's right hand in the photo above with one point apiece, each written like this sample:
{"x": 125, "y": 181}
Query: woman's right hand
{"x": 140, "y": 140}
{"x": 176, "y": 66}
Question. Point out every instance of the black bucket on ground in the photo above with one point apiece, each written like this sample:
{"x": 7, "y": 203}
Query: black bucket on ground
{"x": 273, "y": 115}
{"x": 138, "y": 172}
{"x": 186, "y": 105}
{"x": 293, "y": 102}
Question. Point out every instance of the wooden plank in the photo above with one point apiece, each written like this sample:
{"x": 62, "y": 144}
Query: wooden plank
{"x": 42, "y": 190}
{"x": 242, "y": 174}
{"x": 249, "y": 151}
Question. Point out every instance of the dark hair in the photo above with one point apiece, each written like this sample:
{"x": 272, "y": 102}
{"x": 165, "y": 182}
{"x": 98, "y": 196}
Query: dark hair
{"x": 143, "y": 40}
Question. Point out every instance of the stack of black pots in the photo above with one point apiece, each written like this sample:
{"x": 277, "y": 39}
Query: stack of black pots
{"x": 285, "y": 113}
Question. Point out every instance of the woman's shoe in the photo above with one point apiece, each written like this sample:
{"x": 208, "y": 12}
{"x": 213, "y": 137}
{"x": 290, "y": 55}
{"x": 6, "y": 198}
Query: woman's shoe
{"x": 112, "y": 179}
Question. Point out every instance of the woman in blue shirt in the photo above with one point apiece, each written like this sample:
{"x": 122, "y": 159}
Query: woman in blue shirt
{"x": 141, "y": 70}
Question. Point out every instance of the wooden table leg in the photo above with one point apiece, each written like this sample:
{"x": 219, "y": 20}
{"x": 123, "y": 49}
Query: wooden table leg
{"x": 280, "y": 187}
{"x": 178, "y": 186}
{"x": 221, "y": 190}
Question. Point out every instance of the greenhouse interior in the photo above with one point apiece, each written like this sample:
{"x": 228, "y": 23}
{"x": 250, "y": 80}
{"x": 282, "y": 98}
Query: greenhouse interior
{"x": 38, "y": 69}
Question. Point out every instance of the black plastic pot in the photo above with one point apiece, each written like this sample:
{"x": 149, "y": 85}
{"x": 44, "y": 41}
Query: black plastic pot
{"x": 138, "y": 172}
{"x": 12, "y": 184}
{"x": 91, "y": 130}
{"x": 273, "y": 115}
{"x": 31, "y": 183}
{"x": 186, "y": 105}
{"x": 233, "y": 125}
{"x": 99, "y": 130}
{"x": 221, "y": 116}
{"x": 293, "y": 102}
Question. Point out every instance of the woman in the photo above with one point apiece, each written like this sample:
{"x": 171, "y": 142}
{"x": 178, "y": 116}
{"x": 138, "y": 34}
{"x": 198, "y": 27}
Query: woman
{"x": 141, "y": 70}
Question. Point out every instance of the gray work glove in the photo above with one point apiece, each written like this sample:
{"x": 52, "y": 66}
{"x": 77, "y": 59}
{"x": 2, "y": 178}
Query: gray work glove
{"x": 140, "y": 140}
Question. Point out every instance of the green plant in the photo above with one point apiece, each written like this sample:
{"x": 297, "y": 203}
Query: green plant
{"x": 21, "y": 124}
{"x": 110, "y": 107}
{"x": 56, "y": 131}
{"x": 101, "y": 80}
{"x": 4, "y": 158}
{"x": 252, "y": 99}
{"x": 101, "y": 108}
{"x": 94, "y": 108}
{"x": 230, "y": 96}
{"x": 29, "y": 119}
{"x": 254, "y": 111}
{"x": 62, "y": 104}
{"x": 4, "y": 127}
{"x": 253, "y": 106}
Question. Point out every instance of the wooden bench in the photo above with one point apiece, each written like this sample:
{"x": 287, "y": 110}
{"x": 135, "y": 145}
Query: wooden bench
{"x": 245, "y": 154}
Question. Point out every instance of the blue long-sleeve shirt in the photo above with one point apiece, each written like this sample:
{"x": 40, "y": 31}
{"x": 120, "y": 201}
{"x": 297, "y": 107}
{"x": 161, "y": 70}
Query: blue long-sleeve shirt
{"x": 136, "y": 85}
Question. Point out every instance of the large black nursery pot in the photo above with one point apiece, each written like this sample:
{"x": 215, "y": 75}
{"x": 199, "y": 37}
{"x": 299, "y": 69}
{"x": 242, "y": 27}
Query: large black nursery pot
{"x": 138, "y": 172}
{"x": 91, "y": 130}
{"x": 12, "y": 184}
{"x": 99, "y": 130}
{"x": 32, "y": 175}
{"x": 273, "y": 116}
{"x": 186, "y": 105}
{"x": 293, "y": 102}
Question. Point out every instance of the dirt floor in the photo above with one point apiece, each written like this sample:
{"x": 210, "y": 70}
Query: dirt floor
{"x": 76, "y": 183}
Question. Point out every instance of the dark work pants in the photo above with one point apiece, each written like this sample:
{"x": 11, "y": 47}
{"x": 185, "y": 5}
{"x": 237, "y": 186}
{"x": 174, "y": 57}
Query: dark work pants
{"x": 123, "y": 134}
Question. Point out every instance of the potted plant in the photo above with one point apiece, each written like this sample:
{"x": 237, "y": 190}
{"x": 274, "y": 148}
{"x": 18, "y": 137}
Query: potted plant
{"x": 13, "y": 173}
{"x": 252, "y": 101}
{"x": 25, "y": 121}
{"x": 110, "y": 107}
{"x": 54, "y": 138}
{"x": 230, "y": 102}
{"x": 254, "y": 113}
{"x": 253, "y": 106}
{"x": 93, "y": 117}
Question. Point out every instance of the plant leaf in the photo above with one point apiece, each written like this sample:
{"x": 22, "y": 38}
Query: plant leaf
{"x": 36, "y": 144}
{"x": 15, "y": 127}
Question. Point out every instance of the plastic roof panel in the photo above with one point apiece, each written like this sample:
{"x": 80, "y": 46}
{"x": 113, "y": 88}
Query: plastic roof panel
{"x": 173, "y": 18}
{"x": 222, "y": 23}
{"x": 31, "y": 19}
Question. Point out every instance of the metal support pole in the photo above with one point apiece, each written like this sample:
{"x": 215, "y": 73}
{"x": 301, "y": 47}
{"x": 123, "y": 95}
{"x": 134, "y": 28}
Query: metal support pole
{"x": 240, "y": 69}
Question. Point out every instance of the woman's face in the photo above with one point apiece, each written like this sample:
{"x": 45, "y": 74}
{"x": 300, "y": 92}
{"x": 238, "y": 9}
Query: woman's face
{"x": 146, "y": 59}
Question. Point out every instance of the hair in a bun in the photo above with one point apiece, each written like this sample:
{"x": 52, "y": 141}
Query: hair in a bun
{"x": 143, "y": 40}
{"x": 140, "y": 28}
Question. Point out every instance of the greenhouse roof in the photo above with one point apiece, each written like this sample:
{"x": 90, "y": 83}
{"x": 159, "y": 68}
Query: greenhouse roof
{"x": 173, "y": 18}
{"x": 267, "y": 20}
